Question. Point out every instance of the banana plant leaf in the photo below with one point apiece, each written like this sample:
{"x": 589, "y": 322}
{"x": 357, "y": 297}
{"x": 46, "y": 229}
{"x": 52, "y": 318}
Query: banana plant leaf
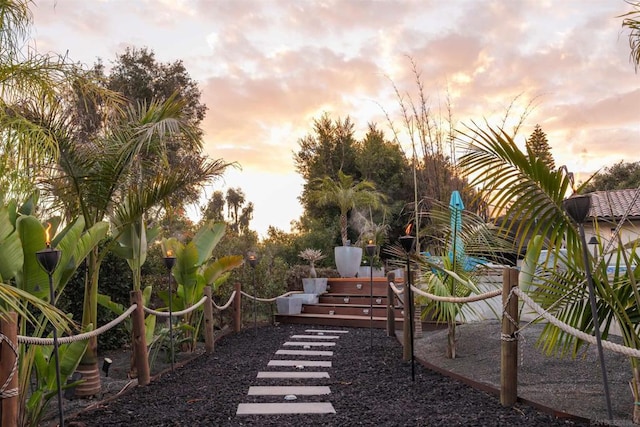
{"x": 207, "y": 238}
{"x": 11, "y": 256}
{"x": 73, "y": 242}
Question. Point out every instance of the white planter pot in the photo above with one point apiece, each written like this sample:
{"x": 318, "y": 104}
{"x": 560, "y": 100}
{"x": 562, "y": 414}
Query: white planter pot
{"x": 314, "y": 285}
{"x": 288, "y": 305}
{"x": 306, "y": 298}
{"x": 348, "y": 260}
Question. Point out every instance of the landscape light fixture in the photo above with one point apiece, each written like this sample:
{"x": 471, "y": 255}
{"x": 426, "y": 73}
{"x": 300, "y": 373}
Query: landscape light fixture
{"x": 106, "y": 364}
{"x": 169, "y": 262}
{"x": 48, "y": 259}
{"x": 371, "y": 251}
{"x": 594, "y": 241}
{"x": 577, "y": 207}
{"x": 408, "y": 241}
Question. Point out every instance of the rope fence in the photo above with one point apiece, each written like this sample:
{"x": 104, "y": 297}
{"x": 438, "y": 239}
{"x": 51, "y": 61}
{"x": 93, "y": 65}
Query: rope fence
{"x": 229, "y": 302}
{"x": 9, "y": 388}
{"x": 509, "y": 335}
{"x": 591, "y": 339}
{"x": 627, "y": 351}
{"x": 9, "y": 339}
{"x": 176, "y": 313}
{"x": 80, "y": 337}
{"x": 395, "y": 289}
{"x": 459, "y": 300}
{"x": 251, "y": 297}
{"x": 510, "y": 293}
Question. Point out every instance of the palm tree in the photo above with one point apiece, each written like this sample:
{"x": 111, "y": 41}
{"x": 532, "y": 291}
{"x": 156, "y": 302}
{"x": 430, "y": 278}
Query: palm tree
{"x": 25, "y": 147}
{"x": 25, "y": 76}
{"x": 450, "y": 271}
{"x": 346, "y": 194}
{"x": 114, "y": 175}
{"x": 530, "y": 196}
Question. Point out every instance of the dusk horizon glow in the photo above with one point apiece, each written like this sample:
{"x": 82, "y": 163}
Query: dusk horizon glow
{"x": 267, "y": 69}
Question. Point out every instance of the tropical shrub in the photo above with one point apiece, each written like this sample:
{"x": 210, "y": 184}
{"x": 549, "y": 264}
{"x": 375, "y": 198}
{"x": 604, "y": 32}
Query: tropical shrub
{"x": 194, "y": 269}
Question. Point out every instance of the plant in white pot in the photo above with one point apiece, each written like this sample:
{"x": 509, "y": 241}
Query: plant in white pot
{"x": 347, "y": 194}
{"x": 313, "y": 284}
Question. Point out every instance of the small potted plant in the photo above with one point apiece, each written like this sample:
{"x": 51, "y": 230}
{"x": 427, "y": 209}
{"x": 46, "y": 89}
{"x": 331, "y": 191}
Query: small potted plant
{"x": 313, "y": 284}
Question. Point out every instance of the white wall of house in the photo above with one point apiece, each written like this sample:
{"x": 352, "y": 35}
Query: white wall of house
{"x": 629, "y": 232}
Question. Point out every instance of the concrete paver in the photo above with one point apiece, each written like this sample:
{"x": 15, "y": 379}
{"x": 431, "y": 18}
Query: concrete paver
{"x": 316, "y": 337}
{"x": 289, "y": 374}
{"x": 302, "y": 390}
{"x": 313, "y": 363}
{"x": 310, "y": 344}
{"x": 285, "y": 408}
{"x": 305, "y": 352}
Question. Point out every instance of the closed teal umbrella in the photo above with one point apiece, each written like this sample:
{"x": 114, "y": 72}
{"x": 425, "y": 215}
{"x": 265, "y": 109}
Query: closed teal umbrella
{"x": 456, "y": 254}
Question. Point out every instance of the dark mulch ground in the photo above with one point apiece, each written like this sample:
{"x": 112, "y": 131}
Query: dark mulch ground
{"x": 370, "y": 386}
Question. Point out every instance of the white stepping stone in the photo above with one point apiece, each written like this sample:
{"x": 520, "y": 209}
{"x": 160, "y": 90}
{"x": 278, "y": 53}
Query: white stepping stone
{"x": 299, "y": 390}
{"x": 316, "y": 337}
{"x": 305, "y": 352}
{"x": 285, "y": 408}
{"x": 276, "y": 374}
{"x": 326, "y": 331}
{"x": 316, "y": 363}
{"x": 310, "y": 344}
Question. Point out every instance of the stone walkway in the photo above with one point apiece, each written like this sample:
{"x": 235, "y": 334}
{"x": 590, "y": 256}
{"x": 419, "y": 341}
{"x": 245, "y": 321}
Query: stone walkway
{"x": 284, "y": 396}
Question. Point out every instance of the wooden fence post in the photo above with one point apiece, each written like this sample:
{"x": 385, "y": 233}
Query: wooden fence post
{"x": 9, "y": 327}
{"x": 237, "y": 308}
{"x": 391, "y": 314}
{"x": 208, "y": 321}
{"x": 406, "y": 327}
{"x": 139, "y": 339}
{"x": 509, "y": 340}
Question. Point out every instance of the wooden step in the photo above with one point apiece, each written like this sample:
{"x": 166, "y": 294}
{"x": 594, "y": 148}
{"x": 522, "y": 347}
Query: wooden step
{"x": 354, "y": 299}
{"x": 345, "y": 320}
{"x": 355, "y": 286}
{"x": 348, "y": 302}
{"x": 349, "y": 309}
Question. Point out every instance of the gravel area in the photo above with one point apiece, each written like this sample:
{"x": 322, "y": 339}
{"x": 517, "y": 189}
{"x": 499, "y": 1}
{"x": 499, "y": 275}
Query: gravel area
{"x": 369, "y": 383}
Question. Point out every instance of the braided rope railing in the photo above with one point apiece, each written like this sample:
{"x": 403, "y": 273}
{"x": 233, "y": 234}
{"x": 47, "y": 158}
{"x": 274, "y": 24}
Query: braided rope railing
{"x": 627, "y": 351}
{"x": 84, "y": 336}
{"x": 176, "y": 313}
{"x": 461, "y": 300}
{"x": 269, "y": 299}
{"x": 395, "y": 289}
{"x": 224, "y": 307}
{"x": 4, "y": 393}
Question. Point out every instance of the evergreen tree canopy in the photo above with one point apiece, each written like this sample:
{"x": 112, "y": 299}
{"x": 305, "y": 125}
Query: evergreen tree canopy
{"x": 620, "y": 176}
{"x": 538, "y": 147}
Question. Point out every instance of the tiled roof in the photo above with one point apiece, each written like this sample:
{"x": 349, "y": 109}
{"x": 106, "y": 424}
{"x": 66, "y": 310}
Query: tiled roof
{"x": 614, "y": 204}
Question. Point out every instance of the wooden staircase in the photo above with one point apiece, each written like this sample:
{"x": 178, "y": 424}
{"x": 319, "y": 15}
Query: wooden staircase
{"x": 348, "y": 302}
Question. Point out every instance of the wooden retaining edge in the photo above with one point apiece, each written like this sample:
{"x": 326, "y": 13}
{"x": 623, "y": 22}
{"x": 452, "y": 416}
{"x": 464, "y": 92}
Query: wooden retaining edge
{"x": 496, "y": 392}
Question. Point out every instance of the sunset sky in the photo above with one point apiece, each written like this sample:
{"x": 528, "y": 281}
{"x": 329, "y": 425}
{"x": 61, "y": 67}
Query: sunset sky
{"x": 268, "y": 68}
